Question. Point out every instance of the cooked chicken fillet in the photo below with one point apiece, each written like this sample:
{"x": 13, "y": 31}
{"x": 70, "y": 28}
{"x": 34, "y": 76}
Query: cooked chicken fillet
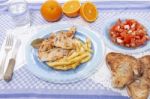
{"x": 46, "y": 46}
{"x": 53, "y": 54}
{"x": 138, "y": 89}
{"x": 71, "y": 32}
{"x": 65, "y": 39}
{"x": 123, "y": 68}
{"x": 57, "y": 45}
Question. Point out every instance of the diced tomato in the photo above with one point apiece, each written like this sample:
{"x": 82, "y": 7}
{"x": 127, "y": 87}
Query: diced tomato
{"x": 129, "y": 32}
{"x": 144, "y": 39}
{"x": 112, "y": 28}
{"x": 137, "y": 37}
{"x": 123, "y": 34}
{"x": 139, "y": 42}
{"x": 127, "y": 39}
{"x": 118, "y": 21}
{"x": 129, "y": 22}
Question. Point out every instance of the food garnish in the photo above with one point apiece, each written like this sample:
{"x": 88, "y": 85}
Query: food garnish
{"x": 63, "y": 51}
{"x": 37, "y": 42}
{"x": 129, "y": 33}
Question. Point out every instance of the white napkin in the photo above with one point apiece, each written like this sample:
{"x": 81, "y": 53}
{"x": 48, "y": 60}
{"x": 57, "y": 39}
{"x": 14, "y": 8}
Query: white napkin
{"x": 19, "y": 33}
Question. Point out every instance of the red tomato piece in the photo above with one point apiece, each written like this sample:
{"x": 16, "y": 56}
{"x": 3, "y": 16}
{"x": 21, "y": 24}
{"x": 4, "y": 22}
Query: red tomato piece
{"x": 129, "y": 33}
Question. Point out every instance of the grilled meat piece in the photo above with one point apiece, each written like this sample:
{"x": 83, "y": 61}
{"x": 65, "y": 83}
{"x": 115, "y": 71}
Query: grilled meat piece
{"x": 140, "y": 88}
{"x": 123, "y": 68}
{"x": 57, "y": 45}
{"x": 145, "y": 61}
{"x": 53, "y": 54}
{"x": 65, "y": 39}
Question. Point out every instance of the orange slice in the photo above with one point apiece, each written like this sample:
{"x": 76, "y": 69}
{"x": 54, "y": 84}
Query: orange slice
{"x": 88, "y": 12}
{"x": 71, "y": 8}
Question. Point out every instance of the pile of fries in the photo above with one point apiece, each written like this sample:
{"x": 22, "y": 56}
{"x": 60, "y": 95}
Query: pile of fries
{"x": 82, "y": 54}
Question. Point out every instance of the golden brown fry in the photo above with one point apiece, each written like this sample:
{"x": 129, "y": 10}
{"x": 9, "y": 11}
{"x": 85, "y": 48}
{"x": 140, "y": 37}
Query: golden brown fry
{"x": 80, "y": 43}
{"x": 88, "y": 41}
{"x": 75, "y": 65}
{"x": 85, "y": 46}
{"x": 86, "y": 59}
{"x": 79, "y": 58}
{"x": 68, "y": 62}
{"x": 77, "y": 46}
{"x": 74, "y": 55}
{"x": 66, "y": 67}
{"x": 89, "y": 50}
{"x": 62, "y": 68}
{"x": 56, "y": 63}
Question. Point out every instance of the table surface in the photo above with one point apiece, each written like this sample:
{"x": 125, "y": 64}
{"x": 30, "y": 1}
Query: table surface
{"x": 25, "y": 84}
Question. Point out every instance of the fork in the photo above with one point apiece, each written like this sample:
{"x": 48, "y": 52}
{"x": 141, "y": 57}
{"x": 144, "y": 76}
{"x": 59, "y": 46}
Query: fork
{"x": 8, "y": 46}
{"x": 11, "y": 64}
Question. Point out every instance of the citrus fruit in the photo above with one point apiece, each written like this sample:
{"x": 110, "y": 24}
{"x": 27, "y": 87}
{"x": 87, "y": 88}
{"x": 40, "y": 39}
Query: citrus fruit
{"x": 88, "y": 12}
{"x": 51, "y": 10}
{"x": 71, "y": 8}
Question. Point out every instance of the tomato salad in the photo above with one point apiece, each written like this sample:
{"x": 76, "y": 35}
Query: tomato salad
{"x": 128, "y": 33}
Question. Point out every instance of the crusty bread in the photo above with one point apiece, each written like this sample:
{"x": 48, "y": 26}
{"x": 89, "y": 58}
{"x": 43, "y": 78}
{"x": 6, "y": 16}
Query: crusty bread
{"x": 123, "y": 68}
{"x": 131, "y": 72}
{"x": 145, "y": 61}
{"x": 140, "y": 88}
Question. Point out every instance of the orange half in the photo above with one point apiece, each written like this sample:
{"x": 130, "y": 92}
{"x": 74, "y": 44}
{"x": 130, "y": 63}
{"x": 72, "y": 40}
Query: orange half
{"x": 71, "y": 8}
{"x": 88, "y": 12}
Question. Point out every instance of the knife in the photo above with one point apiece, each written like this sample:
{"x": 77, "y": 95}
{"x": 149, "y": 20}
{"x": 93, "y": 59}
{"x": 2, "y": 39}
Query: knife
{"x": 9, "y": 71}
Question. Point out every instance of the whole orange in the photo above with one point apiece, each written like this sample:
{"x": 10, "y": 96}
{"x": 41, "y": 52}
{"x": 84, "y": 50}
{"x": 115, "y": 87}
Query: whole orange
{"x": 51, "y": 10}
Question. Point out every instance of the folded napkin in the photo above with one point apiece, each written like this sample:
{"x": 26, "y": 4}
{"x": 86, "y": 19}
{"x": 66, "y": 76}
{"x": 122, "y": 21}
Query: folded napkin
{"x": 18, "y": 34}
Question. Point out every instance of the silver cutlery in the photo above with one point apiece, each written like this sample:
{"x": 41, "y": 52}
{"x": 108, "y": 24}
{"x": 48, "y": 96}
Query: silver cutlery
{"x": 9, "y": 71}
{"x": 8, "y": 46}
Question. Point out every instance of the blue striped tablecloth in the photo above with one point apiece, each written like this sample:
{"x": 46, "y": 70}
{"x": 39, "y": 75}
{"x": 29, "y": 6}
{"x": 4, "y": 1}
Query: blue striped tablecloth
{"x": 25, "y": 85}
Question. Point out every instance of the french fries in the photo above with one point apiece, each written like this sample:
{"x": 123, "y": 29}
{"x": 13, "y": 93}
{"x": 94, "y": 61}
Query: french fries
{"x": 86, "y": 59}
{"x": 81, "y": 55}
{"x": 88, "y": 43}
